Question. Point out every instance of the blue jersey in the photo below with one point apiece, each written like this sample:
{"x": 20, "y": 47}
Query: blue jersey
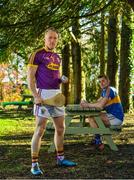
{"x": 113, "y": 105}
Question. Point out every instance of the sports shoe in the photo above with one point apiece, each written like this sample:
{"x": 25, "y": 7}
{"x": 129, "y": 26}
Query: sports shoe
{"x": 97, "y": 144}
{"x": 100, "y": 147}
{"x": 66, "y": 163}
{"x": 36, "y": 170}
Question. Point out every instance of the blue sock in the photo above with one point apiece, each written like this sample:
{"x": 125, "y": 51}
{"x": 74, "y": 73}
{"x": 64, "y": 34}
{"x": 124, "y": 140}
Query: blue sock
{"x": 97, "y": 136}
{"x": 98, "y": 139}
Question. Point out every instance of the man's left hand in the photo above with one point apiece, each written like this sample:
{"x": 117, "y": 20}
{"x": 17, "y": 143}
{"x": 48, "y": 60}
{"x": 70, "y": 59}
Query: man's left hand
{"x": 64, "y": 79}
{"x": 84, "y": 104}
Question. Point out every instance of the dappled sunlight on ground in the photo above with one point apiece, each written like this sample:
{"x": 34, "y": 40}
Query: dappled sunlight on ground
{"x": 15, "y": 139}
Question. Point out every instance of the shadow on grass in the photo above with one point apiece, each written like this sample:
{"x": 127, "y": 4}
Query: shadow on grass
{"x": 16, "y": 162}
{"x": 24, "y": 136}
{"x": 16, "y": 114}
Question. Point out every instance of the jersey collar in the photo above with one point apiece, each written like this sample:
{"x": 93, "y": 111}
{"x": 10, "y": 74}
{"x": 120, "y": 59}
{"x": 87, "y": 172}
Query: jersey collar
{"x": 47, "y": 50}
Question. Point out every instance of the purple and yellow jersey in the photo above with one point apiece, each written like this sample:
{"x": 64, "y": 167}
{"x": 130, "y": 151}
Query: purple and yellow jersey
{"x": 48, "y": 65}
{"x": 113, "y": 105}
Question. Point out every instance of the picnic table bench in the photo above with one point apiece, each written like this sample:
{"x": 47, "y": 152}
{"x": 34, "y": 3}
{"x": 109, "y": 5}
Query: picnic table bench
{"x": 80, "y": 128}
{"x": 23, "y": 102}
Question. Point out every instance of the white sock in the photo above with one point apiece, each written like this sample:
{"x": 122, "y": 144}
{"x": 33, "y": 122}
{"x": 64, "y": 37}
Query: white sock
{"x": 34, "y": 164}
{"x": 60, "y": 158}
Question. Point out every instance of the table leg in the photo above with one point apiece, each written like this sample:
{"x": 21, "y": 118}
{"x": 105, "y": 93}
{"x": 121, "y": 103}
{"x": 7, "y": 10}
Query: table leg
{"x": 107, "y": 137}
{"x": 99, "y": 122}
{"x": 110, "y": 142}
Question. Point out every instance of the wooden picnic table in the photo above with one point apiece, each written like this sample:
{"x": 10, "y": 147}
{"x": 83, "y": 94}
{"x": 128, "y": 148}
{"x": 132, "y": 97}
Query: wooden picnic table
{"x": 79, "y": 128}
{"x": 27, "y": 100}
{"x": 27, "y": 96}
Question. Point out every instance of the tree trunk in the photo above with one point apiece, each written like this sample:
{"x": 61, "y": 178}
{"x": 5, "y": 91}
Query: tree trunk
{"x": 102, "y": 46}
{"x": 76, "y": 61}
{"x": 1, "y": 91}
{"x": 112, "y": 62}
{"x": 125, "y": 60}
{"x": 66, "y": 70}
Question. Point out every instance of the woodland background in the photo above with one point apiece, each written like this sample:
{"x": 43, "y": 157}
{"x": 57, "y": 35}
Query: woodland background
{"x": 96, "y": 37}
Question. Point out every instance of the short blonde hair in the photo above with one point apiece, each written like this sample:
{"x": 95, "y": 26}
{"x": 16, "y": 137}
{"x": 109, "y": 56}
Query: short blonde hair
{"x": 51, "y": 29}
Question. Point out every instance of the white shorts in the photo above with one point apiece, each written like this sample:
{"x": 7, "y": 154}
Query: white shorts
{"x": 48, "y": 111}
{"x": 113, "y": 120}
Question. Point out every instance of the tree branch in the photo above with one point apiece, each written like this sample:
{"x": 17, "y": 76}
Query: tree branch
{"x": 131, "y": 2}
{"x": 94, "y": 13}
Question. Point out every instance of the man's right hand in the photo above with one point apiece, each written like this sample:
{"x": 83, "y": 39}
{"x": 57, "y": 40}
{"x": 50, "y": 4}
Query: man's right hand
{"x": 38, "y": 100}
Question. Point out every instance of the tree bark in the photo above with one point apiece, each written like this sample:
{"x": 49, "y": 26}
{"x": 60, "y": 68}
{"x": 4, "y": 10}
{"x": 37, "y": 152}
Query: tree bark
{"x": 76, "y": 61}
{"x": 66, "y": 70}
{"x": 102, "y": 46}
{"x": 112, "y": 62}
{"x": 125, "y": 61}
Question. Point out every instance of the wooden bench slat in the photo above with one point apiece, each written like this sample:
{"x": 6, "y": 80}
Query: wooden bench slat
{"x": 17, "y": 103}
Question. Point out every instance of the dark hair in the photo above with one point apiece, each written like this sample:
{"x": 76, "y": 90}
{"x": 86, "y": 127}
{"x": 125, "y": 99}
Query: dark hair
{"x": 103, "y": 76}
{"x": 51, "y": 29}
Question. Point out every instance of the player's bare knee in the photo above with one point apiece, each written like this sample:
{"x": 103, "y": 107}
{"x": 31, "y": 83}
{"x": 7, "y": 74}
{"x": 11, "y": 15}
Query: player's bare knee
{"x": 91, "y": 120}
{"x": 40, "y": 131}
{"x": 60, "y": 130}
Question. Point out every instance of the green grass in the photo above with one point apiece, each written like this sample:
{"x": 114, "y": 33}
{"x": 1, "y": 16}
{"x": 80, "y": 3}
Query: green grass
{"x": 16, "y": 131}
{"x": 16, "y": 127}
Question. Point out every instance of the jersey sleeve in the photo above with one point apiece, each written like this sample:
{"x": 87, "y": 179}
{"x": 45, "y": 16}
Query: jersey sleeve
{"x": 34, "y": 60}
{"x": 112, "y": 94}
{"x": 109, "y": 93}
{"x": 60, "y": 60}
